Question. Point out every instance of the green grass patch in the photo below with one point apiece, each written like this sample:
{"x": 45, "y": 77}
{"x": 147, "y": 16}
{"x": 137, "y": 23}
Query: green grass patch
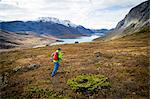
{"x": 34, "y": 91}
{"x": 98, "y": 65}
{"x": 39, "y": 93}
{"x": 88, "y": 83}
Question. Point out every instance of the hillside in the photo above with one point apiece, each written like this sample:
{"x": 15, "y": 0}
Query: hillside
{"x": 48, "y": 26}
{"x": 115, "y": 66}
{"x": 101, "y": 32}
{"x": 7, "y": 40}
{"x": 134, "y": 21}
{"x": 10, "y": 40}
{"x": 124, "y": 61}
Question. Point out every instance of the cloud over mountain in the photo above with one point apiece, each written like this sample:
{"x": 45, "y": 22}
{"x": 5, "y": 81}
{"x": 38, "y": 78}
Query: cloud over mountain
{"x": 89, "y": 13}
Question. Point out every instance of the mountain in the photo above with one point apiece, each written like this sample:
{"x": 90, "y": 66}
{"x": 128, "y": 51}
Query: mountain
{"x": 10, "y": 40}
{"x": 101, "y": 32}
{"x": 134, "y": 21}
{"x": 46, "y": 25}
{"x": 55, "y": 20}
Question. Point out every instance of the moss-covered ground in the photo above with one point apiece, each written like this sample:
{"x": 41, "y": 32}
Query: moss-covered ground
{"x": 123, "y": 62}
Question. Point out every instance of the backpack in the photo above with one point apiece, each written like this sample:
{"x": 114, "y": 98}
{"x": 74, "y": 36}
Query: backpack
{"x": 55, "y": 57}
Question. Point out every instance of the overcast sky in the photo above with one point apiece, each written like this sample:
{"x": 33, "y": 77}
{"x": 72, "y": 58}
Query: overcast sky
{"x": 89, "y": 13}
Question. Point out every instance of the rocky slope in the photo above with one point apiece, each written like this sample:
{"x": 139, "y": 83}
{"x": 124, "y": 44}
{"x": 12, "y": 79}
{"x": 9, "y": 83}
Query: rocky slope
{"x": 51, "y": 26}
{"x": 134, "y": 21}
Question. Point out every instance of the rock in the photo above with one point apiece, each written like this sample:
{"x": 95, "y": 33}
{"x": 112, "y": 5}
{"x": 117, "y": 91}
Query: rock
{"x": 98, "y": 54}
{"x": 76, "y": 42}
{"x": 3, "y": 80}
{"x": 25, "y": 68}
{"x": 133, "y": 93}
{"x": 32, "y": 66}
{"x": 17, "y": 69}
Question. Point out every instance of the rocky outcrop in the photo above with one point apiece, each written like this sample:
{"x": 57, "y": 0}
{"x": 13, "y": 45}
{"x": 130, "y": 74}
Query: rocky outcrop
{"x": 3, "y": 80}
{"x": 134, "y": 21}
{"x": 25, "y": 68}
{"x": 4, "y": 77}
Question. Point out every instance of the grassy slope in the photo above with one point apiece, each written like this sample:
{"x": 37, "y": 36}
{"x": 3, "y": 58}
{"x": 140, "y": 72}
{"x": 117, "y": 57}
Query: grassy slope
{"x": 123, "y": 61}
{"x": 10, "y": 40}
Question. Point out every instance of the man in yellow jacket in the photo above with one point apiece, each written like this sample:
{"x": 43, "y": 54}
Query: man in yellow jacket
{"x": 57, "y": 57}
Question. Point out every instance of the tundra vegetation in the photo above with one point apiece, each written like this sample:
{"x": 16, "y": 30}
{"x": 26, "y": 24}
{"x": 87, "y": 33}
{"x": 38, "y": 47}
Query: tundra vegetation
{"x": 117, "y": 68}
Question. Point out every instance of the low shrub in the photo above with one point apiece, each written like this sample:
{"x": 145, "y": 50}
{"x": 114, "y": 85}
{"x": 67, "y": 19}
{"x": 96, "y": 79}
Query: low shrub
{"x": 35, "y": 92}
{"x": 88, "y": 83}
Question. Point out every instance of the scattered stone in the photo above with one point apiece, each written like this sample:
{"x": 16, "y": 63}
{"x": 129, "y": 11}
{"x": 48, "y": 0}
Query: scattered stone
{"x": 98, "y": 54}
{"x": 3, "y": 80}
{"x": 17, "y": 69}
{"x": 133, "y": 93}
{"x": 32, "y": 66}
{"x": 25, "y": 68}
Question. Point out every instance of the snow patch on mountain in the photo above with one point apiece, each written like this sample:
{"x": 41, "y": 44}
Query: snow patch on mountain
{"x": 58, "y": 21}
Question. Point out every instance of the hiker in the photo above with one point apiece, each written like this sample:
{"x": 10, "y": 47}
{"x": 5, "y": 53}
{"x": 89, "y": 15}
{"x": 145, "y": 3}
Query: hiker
{"x": 56, "y": 57}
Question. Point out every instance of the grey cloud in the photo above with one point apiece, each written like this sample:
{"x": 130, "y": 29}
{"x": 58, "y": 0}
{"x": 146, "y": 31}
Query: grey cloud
{"x": 89, "y": 13}
{"x": 7, "y": 6}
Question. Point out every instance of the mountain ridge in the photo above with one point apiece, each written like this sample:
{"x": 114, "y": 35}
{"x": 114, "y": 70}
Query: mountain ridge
{"x": 134, "y": 21}
{"x": 53, "y": 26}
{"x": 55, "y": 20}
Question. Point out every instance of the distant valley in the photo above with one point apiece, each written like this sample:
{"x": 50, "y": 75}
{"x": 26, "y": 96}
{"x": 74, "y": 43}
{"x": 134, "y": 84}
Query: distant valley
{"x": 42, "y": 32}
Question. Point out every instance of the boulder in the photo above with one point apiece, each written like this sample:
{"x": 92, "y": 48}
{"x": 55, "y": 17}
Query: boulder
{"x": 32, "y": 66}
{"x": 18, "y": 68}
{"x": 98, "y": 54}
{"x": 25, "y": 68}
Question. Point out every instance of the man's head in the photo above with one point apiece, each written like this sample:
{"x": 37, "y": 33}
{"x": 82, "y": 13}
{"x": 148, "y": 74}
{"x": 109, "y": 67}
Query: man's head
{"x": 59, "y": 49}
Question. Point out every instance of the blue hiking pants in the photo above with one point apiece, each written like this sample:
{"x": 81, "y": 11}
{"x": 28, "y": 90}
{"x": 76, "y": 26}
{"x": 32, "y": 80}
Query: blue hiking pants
{"x": 56, "y": 65}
